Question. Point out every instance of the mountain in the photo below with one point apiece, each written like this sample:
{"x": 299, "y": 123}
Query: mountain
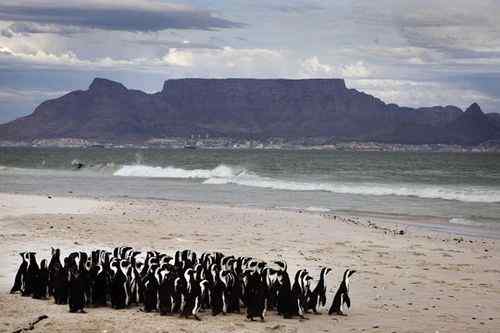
{"x": 248, "y": 108}
{"x": 495, "y": 117}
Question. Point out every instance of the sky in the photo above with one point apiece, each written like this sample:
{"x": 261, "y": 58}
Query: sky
{"x": 410, "y": 52}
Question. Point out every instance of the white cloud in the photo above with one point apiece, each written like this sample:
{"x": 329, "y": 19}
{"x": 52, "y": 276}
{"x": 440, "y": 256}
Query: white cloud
{"x": 179, "y": 57}
{"x": 421, "y": 93}
{"x": 312, "y": 67}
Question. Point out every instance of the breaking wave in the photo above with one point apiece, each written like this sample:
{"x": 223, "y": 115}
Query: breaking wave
{"x": 222, "y": 172}
{"x": 225, "y": 174}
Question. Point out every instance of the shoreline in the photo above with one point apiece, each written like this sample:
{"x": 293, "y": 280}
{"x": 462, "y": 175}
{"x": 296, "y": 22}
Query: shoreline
{"x": 416, "y": 281}
{"x": 386, "y": 220}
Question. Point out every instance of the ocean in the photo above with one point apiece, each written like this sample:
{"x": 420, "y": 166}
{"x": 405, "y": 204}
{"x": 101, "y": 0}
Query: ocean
{"x": 462, "y": 189}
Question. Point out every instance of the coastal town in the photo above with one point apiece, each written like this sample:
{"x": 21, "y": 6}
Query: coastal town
{"x": 277, "y": 143}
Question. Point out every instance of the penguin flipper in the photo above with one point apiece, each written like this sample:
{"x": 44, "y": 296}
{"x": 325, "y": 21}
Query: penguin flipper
{"x": 347, "y": 300}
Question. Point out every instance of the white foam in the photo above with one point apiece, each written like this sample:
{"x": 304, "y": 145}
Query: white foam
{"x": 471, "y": 194}
{"x": 222, "y": 171}
{"x": 317, "y": 209}
{"x": 225, "y": 174}
{"x": 463, "y": 221}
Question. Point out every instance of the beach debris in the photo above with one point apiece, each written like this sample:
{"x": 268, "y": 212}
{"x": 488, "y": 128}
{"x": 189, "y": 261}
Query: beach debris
{"x": 31, "y": 325}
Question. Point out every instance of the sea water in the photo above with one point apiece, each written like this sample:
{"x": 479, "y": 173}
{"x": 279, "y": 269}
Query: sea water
{"x": 463, "y": 189}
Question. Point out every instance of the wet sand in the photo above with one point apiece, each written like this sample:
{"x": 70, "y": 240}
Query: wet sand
{"x": 417, "y": 280}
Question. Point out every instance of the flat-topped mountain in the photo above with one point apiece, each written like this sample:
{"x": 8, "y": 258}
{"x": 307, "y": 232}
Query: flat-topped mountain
{"x": 251, "y": 108}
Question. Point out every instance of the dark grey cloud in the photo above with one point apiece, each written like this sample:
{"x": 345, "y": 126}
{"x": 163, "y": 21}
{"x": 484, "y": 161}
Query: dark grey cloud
{"x": 134, "y": 16}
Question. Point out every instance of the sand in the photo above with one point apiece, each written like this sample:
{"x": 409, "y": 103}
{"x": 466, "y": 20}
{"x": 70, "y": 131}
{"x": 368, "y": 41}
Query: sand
{"x": 418, "y": 281}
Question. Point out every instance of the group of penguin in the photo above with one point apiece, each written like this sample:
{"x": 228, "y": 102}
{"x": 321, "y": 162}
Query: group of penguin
{"x": 184, "y": 284}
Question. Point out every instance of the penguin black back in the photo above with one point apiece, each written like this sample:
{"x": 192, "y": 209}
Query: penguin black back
{"x": 342, "y": 302}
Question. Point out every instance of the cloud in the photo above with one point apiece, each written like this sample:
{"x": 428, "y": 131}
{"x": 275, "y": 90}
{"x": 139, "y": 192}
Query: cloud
{"x": 422, "y": 93}
{"x": 222, "y": 62}
{"x": 312, "y": 67}
{"x": 125, "y": 15}
{"x": 297, "y": 7}
{"x": 27, "y": 28}
{"x": 465, "y": 29}
{"x": 8, "y": 95}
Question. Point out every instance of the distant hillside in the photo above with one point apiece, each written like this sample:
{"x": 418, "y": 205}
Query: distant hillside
{"x": 250, "y": 108}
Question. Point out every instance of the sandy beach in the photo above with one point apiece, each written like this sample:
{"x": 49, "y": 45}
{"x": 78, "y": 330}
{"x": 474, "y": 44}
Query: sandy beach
{"x": 417, "y": 280}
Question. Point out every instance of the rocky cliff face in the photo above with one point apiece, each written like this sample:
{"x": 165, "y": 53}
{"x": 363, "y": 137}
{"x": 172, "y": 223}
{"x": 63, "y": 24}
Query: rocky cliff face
{"x": 251, "y": 108}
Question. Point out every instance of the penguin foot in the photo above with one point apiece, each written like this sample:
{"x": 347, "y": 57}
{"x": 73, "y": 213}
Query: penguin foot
{"x": 197, "y": 318}
{"x": 340, "y": 313}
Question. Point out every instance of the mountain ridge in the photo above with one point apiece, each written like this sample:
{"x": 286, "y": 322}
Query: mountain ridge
{"x": 248, "y": 108}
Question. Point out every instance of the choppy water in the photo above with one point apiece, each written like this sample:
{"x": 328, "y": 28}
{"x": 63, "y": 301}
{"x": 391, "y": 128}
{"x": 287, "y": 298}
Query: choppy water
{"x": 462, "y": 188}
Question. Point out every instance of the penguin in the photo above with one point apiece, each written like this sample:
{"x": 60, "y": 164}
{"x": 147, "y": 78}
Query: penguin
{"x": 285, "y": 303}
{"x": 31, "y": 276}
{"x": 42, "y": 282}
{"x": 76, "y": 289}
{"x": 297, "y": 295}
{"x": 217, "y": 292}
{"x": 192, "y": 294}
{"x": 166, "y": 292}
{"x": 317, "y": 297}
{"x": 20, "y": 275}
{"x": 198, "y": 294}
{"x": 255, "y": 296}
{"x": 60, "y": 284}
{"x": 119, "y": 294}
{"x": 150, "y": 297}
{"x": 341, "y": 302}
{"x": 101, "y": 286}
{"x": 55, "y": 266}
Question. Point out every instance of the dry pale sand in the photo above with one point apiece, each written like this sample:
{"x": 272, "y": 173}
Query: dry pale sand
{"x": 416, "y": 282}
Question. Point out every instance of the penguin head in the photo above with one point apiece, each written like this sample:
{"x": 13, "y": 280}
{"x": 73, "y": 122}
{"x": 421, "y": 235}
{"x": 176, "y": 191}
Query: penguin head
{"x": 43, "y": 264}
{"x": 281, "y": 264}
{"x": 351, "y": 272}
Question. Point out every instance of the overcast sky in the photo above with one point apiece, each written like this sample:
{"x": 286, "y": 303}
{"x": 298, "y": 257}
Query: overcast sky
{"x": 410, "y": 52}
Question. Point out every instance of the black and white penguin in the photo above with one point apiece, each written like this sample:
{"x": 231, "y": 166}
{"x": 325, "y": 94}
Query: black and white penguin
{"x": 317, "y": 297}
{"x": 284, "y": 295}
{"x": 255, "y": 295}
{"x": 60, "y": 283}
{"x": 191, "y": 295}
{"x": 20, "y": 275}
{"x": 150, "y": 293}
{"x": 101, "y": 286}
{"x": 298, "y": 294}
{"x": 119, "y": 292}
{"x": 166, "y": 292}
{"x": 76, "y": 289}
{"x": 31, "y": 276}
{"x": 341, "y": 301}
{"x": 218, "y": 287}
{"x": 55, "y": 266}
{"x": 40, "y": 288}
